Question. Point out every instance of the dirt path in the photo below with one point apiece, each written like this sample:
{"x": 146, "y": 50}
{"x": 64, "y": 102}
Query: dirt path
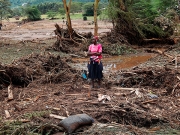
{"x": 45, "y": 29}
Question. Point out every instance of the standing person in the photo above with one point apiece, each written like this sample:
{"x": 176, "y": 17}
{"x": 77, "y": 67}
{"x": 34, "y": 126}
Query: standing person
{"x": 95, "y": 66}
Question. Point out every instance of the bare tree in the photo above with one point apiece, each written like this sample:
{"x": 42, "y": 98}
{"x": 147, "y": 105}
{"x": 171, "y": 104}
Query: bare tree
{"x": 67, "y": 9}
{"x": 96, "y": 2}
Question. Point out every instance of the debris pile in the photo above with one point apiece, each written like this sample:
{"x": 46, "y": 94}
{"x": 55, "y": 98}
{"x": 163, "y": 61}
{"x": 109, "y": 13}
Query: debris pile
{"x": 37, "y": 68}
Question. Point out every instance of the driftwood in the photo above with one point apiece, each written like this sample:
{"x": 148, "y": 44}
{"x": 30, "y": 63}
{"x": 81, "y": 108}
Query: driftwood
{"x": 16, "y": 107}
{"x": 7, "y": 114}
{"x": 149, "y": 101}
{"x": 10, "y": 93}
{"x": 165, "y": 54}
{"x": 159, "y": 41}
{"x": 160, "y": 52}
{"x": 57, "y": 116}
{"x": 120, "y": 88}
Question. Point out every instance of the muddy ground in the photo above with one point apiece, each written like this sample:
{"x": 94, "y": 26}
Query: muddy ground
{"x": 141, "y": 99}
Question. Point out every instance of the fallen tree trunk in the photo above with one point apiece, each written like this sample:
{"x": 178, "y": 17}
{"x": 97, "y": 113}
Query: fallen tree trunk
{"x": 158, "y": 41}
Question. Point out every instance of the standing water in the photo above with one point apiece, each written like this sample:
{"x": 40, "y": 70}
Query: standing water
{"x": 115, "y": 62}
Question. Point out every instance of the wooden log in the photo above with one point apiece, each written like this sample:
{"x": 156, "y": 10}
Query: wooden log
{"x": 57, "y": 116}
{"x": 119, "y": 94}
{"x": 121, "y": 88}
{"x": 17, "y": 107}
{"x": 175, "y": 61}
{"x": 10, "y": 93}
{"x": 73, "y": 94}
{"x": 7, "y": 114}
{"x": 165, "y": 54}
{"x": 149, "y": 101}
{"x": 161, "y": 52}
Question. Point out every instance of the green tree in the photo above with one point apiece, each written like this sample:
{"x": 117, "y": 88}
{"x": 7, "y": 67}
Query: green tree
{"x": 49, "y": 6}
{"x": 5, "y": 9}
{"x": 16, "y": 11}
{"x": 76, "y": 7}
{"x": 149, "y": 9}
{"x": 51, "y": 14}
{"x": 88, "y": 9}
{"x": 32, "y": 13}
{"x": 62, "y": 11}
{"x": 135, "y": 18}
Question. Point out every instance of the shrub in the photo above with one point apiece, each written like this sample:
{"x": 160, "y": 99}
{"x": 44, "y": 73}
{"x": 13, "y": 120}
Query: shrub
{"x": 84, "y": 18}
{"x": 32, "y": 13}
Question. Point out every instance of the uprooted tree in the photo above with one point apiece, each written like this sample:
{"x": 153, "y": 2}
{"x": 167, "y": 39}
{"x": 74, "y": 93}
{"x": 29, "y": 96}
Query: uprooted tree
{"x": 68, "y": 40}
{"x": 131, "y": 25}
{"x": 135, "y": 19}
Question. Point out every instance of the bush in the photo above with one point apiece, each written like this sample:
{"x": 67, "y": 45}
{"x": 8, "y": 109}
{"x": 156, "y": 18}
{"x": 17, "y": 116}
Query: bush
{"x": 150, "y": 31}
{"x": 32, "y": 13}
{"x": 51, "y": 14}
{"x": 88, "y": 9}
{"x": 84, "y": 18}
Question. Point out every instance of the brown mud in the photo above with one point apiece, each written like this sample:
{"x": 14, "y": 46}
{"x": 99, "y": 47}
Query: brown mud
{"x": 143, "y": 90}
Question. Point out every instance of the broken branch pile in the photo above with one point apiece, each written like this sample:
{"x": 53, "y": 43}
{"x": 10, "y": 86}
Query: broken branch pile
{"x": 147, "y": 77}
{"x": 42, "y": 68}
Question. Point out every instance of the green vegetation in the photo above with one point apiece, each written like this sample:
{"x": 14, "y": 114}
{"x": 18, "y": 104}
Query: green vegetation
{"x": 139, "y": 19}
{"x": 116, "y": 49}
{"x": 16, "y": 3}
{"x": 17, "y": 127}
{"x": 5, "y": 9}
{"x": 51, "y": 14}
{"x": 50, "y": 6}
{"x": 32, "y": 13}
{"x": 88, "y": 9}
{"x": 146, "y": 19}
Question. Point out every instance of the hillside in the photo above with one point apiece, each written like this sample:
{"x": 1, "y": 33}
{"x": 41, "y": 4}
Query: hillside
{"x": 16, "y": 3}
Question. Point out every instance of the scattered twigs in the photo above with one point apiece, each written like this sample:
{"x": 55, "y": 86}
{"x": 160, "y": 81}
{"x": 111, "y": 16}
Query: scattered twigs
{"x": 121, "y": 88}
{"x": 149, "y": 101}
{"x": 175, "y": 86}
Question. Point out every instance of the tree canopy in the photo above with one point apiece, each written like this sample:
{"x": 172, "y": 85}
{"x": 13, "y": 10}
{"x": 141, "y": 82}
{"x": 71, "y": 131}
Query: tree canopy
{"x": 16, "y": 3}
{"x": 32, "y": 13}
{"x": 4, "y": 9}
{"x": 135, "y": 19}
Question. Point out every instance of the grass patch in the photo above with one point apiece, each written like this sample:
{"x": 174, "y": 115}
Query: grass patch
{"x": 44, "y": 16}
{"x": 17, "y": 127}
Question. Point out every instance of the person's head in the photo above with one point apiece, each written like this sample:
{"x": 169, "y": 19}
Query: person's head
{"x": 95, "y": 39}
